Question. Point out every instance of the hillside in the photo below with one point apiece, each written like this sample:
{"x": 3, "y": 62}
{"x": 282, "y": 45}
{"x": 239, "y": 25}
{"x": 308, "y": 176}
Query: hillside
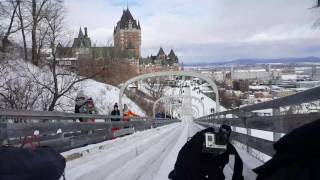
{"x": 22, "y": 87}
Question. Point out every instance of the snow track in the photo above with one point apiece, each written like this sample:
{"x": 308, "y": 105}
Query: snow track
{"x": 142, "y": 156}
{"x": 147, "y": 155}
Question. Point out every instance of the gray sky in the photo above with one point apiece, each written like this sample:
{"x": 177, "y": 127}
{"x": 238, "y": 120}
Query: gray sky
{"x": 208, "y": 30}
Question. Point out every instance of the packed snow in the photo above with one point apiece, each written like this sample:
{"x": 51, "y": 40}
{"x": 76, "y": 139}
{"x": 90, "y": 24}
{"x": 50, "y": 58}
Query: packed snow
{"x": 147, "y": 155}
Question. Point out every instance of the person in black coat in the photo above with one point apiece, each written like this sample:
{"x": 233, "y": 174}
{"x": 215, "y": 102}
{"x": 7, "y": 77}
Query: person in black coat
{"x": 115, "y": 112}
{"x": 194, "y": 164}
{"x": 43, "y": 163}
{"x": 297, "y": 156}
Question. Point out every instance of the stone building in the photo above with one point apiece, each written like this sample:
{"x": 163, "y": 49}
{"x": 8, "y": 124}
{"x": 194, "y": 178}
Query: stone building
{"x": 127, "y": 46}
{"x": 82, "y": 49}
{"x": 160, "y": 62}
{"x": 127, "y": 36}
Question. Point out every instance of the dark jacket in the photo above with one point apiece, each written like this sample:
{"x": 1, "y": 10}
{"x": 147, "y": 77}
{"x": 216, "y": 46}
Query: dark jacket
{"x": 297, "y": 156}
{"x": 25, "y": 164}
{"x": 115, "y": 113}
{"x": 193, "y": 164}
{"x": 77, "y": 109}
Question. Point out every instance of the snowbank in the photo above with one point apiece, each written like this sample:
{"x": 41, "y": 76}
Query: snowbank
{"x": 105, "y": 96}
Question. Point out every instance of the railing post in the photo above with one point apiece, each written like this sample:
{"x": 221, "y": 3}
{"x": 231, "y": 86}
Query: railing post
{"x": 245, "y": 115}
{"x": 276, "y": 113}
{"x": 3, "y": 134}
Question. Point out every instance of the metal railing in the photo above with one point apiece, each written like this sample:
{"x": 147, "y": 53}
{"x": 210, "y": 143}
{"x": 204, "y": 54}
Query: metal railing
{"x": 60, "y": 131}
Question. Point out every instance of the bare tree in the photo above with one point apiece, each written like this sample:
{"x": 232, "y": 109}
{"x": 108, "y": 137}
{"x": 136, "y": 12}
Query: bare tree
{"x": 23, "y": 30}
{"x": 38, "y": 12}
{"x": 8, "y": 10}
{"x": 18, "y": 90}
{"x": 155, "y": 87}
{"x": 61, "y": 82}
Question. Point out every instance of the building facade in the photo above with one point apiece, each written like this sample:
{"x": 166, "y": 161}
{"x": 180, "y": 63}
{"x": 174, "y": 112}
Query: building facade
{"x": 127, "y": 36}
{"x": 127, "y": 46}
{"x": 160, "y": 62}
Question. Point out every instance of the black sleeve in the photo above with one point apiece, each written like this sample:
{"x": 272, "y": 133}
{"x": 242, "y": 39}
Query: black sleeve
{"x": 238, "y": 165}
{"x": 188, "y": 159}
{"x": 76, "y": 109}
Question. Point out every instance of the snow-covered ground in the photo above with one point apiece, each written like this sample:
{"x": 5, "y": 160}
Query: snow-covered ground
{"x": 105, "y": 96}
{"x": 147, "y": 155}
{"x": 24, "y": 75}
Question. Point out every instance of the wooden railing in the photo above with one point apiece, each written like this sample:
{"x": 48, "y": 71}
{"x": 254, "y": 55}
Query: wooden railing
{"x": 278, "y": 124}
{"x": 59, "y": 130}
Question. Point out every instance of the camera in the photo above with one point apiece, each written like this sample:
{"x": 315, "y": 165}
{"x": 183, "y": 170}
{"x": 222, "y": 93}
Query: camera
{"x": 216, "y": 142}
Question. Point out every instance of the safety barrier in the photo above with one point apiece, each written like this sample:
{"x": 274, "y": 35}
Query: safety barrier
{"x": 277, "y": 125}
{"x": 59, "y": 130}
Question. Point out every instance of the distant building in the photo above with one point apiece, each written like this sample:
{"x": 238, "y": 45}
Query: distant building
{"x": 127, "y": 36}
{"x": 82, "y": 41}
{"x": 82, "y": 49}
{"x": 160, "y": 62}
{"x": 241, "y": 85}
{"x": 315, "y": 74}
{"x": 127, "y": 45}
{"x": 282, "y": 93}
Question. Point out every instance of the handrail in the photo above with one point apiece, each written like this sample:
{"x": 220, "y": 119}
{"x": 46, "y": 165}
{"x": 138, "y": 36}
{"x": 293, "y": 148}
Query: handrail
{"x": 64, "y": 135}
{"x": 309, "y": 95}
{"x": 277, "y": 124}
{"x": 10, "y": 113}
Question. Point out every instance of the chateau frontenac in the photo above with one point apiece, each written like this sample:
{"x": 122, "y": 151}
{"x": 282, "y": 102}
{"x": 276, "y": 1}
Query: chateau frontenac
{"x": 127, "y": 45}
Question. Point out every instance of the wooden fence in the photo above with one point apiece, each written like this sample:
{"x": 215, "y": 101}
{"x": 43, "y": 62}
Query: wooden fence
{"x": 275, "y": 124}
{"x": 63, "y": 134}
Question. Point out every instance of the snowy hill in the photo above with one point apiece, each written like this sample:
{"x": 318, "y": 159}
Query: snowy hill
{"x": 24, "y": 86}
{"x": 105, "y": 95}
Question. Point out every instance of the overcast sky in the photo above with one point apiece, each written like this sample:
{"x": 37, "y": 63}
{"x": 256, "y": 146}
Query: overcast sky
{"x": 207, "y": 30}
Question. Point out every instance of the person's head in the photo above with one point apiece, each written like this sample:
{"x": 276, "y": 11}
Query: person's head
{"x": 125, "y": 107}
{"x": 81, "y": 98}
{"x": 115, "y": 107}
{"x": 90, "y": 102}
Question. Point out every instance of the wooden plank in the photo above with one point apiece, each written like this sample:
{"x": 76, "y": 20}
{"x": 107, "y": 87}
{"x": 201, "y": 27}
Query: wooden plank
{"x": 159, "y": 123}
{"x": 259, "y": 144}
{"x": 25, "y": 129}
{"x": 3, "y": 133}
{"x": 141, "y": 125}
{"x": 83, "y": 140}
{"x": 58, "y": 144}
{"x": 278, "y": 124}
{"x": 123, "y": 132}
{"x": 75, "y": 134}
{"x": 295, "y": 99}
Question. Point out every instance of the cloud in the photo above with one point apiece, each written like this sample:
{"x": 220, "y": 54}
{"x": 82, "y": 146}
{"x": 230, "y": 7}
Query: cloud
{"x": 207, "y": 30}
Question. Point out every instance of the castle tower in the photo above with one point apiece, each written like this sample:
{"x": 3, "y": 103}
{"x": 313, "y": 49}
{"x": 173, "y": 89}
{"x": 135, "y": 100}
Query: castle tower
{"x": 161, "y": 54}
{"x": 82, "y": 41}
{"x": 173, "y": 57}
{"x": 127, "y": 36}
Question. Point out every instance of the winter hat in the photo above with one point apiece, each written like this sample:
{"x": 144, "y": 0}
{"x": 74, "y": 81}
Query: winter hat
{"x": 81, "y": 98}
{"x": 81, "y": 94}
